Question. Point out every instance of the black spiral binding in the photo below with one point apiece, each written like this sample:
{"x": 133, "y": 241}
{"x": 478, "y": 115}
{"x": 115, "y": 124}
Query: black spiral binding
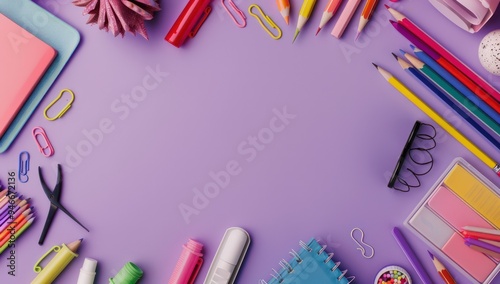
{"x": 397, "y": 181}
{"x": 296, "y": 257}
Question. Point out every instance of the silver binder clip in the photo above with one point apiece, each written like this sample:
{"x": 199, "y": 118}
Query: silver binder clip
{"x": 361, "y": 247}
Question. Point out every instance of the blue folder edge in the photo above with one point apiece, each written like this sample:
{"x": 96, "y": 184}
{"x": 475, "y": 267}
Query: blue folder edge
{"x": 53, "y": 31}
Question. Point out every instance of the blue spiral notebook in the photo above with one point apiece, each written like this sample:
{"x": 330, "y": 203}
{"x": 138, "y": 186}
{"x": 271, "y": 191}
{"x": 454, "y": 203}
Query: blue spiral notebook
{"x": 312, "y": 264}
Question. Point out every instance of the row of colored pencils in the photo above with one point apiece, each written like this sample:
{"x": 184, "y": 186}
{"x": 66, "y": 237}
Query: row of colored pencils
{"x": 329, "y": 11}
{"x": 453, "y": 82}
{"x": 16, "y": 215}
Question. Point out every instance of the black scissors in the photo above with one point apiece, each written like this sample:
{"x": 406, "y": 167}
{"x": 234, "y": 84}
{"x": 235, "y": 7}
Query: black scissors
{"x": 54, "y": 202}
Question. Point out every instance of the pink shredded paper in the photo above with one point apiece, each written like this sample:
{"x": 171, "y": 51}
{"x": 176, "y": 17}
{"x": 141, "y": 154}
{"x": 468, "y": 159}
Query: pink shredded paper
{"x": 119, "y": 16}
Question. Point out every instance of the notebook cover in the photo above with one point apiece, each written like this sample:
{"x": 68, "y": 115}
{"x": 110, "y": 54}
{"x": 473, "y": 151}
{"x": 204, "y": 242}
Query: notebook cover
{"x": 25, "y": 58}
{"x": 56, "y": 33}
{"x": 312, "y": 268}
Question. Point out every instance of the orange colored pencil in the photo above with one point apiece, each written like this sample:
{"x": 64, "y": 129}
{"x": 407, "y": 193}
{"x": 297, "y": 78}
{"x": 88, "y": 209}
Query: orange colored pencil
{"x": 366, "y": 14}
{"x": 443, "y": 272}
{"x": 284, "y": 8}
{"x": 17, "y": 226}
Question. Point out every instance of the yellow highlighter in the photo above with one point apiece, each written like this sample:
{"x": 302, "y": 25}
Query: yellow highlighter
{"x": 304, "y": 14}
{"x": 64, "y": 255}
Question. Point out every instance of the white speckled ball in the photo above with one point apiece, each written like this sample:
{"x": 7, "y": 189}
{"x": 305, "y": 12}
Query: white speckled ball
{"x": 489, "y": 52}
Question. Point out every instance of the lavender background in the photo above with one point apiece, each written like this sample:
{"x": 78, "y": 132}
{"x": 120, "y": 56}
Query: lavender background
{"x": 321, "y": 175}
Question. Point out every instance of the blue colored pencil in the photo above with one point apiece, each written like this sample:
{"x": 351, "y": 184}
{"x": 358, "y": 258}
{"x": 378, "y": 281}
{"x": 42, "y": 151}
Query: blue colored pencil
{"x": 429, "y": 84}
{"x": 457, "y": 84}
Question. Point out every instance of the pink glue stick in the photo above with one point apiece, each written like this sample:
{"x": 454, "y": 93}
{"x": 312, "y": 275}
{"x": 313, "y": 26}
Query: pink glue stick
{"x": 189, "y": 264}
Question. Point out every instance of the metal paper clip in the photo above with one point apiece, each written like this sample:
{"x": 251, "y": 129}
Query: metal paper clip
{"x": 24, "y": 166}
{"x": 58, "y": 98}
{"x": 38, "y": 131}
{"x": 237, "y": 11}
{"x": 361, "y": 247}
{"x": 196, "y": 28}
{"x": 268, "y": 20}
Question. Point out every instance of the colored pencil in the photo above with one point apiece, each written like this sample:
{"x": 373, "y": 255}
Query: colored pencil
{"x": 18, "y": 233}
{"x": 304, "y": 14}
{"x": 284, "y": 8}
{"x": 3, "y": 193}
{"x": 452, "y": 91}
{"x": 495, "y": 243}
{"x": 456, "y": 83}
{"x": 5, "y": 208}
{"x": 366, "y": 14}
{"x": 17, "y": 223}
{"x": 481, "y": 230}
{"x": 485, "y": 251}
{"x": 439, "y": 120}
{"x": 443, "y": 272}
{"x": 445, "y": 72}
{"x": 418, "y": 65}
{"x": 18, "y": 212}
{"x": 475, "y": 242}
{"x": 330, "y": 10}
{"x": 439, "y": 49}
{"x": 479, "y": 235}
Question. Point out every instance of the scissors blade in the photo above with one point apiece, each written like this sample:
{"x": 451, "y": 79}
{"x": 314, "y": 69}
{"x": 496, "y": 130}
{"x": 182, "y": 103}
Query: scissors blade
{"x": 60, "y": 206}
{"x": 48, "y": 222}
{"x": 56, "y": 193}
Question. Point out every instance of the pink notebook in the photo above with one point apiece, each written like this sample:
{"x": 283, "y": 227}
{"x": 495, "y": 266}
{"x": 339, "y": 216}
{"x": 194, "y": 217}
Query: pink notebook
{"x": 24, "y": 58}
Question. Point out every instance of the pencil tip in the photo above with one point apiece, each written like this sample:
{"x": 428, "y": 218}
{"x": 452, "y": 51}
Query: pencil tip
{"x": 319, "y": 29}
{"x": 393, "y": 22}
{"x": 430, "y": 254}
{"x": 357, "y": 35}
{"x": 387, "y": 6}
{"x": 287, "y": 19}
{"x": 412, "y": 46}
{"x": 296, "y": 34}
{"x": 402, "y": 51}
{"x": 376, "y": 66}
{"x": 395, "y": 56}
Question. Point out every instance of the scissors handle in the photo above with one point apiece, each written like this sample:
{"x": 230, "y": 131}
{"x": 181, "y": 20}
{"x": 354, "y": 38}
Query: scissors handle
{"x": 50, "y": 217}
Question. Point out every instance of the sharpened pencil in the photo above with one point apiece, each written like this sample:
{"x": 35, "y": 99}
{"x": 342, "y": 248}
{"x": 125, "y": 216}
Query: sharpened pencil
{"x": 438, "y": 119}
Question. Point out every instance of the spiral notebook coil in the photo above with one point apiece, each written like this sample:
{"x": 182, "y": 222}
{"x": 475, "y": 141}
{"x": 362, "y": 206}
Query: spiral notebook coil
{"x": 312, "y": 264}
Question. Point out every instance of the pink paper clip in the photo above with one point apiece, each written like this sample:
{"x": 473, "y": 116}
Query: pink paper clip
{"x": 38, "y": 131}
{"x": 237, "y": 10}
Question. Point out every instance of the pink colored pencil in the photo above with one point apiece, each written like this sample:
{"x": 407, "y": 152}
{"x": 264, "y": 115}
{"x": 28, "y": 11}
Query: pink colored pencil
{"x": 408, "y": 24}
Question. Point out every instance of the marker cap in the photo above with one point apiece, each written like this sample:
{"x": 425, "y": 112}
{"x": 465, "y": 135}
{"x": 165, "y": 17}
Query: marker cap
{"x": 186, "y": 22}
{"x": 129, "y": 274}
{"x": 87, "y": 272}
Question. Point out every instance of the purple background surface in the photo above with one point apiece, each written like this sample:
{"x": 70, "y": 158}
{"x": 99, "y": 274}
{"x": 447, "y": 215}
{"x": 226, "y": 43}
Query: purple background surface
{"x": 320, "y": 175}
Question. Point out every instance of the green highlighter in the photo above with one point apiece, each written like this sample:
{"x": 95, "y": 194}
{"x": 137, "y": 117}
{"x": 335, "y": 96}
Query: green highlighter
{"x": 129, "y": 274}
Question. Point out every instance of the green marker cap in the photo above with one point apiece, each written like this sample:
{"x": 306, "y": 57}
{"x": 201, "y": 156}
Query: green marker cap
{"x": 129, "y": 274}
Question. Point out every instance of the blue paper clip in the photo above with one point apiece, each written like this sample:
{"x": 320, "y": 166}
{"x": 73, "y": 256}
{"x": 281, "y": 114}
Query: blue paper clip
{"x": 24, "y": 166}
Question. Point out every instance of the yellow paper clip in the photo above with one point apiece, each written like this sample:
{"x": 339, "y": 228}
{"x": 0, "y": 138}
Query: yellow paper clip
{"x": 268, "y": 20}
{"x": 38, "y": 131}
{"x": 66, "y": 107}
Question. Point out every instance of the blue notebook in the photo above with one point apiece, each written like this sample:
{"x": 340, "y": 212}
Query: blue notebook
{"x": 56, "y": 33}
{"x": 312, "y": 264}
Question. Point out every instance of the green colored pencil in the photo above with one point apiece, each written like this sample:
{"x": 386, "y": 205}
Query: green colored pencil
{"x": 17, "y": 234}
{"x": 453, "y": 92}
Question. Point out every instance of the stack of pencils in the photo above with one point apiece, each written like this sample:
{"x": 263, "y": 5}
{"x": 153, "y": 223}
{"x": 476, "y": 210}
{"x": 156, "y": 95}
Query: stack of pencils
{"x": 469, "y": 95}
{"x": 16, "y": 215}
